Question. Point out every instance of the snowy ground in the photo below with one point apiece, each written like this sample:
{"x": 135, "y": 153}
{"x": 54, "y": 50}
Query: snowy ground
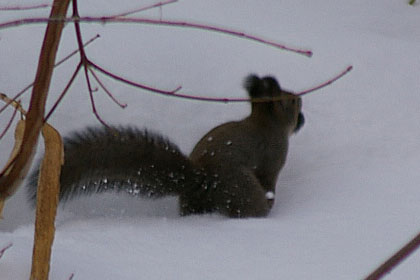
{"x": 349, "y": 195}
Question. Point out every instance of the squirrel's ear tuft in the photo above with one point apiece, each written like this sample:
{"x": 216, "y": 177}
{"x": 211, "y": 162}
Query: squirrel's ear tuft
{"x": 253, "y": 85}
{"x": 265, "y": 87}
{"x": 271, "y": 85}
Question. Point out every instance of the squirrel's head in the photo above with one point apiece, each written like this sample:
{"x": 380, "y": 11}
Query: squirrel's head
{"x": 269, "y": 100}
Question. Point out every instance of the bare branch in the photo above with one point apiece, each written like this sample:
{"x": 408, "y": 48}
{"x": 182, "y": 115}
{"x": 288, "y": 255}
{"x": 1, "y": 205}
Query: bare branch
{"x": 348, "y": 69}
{"x": 170, "y": 23}
{"x": 19, "y": 94}
{"x": 174, "y": 93}
{"x": 21, "y": 8}
{"x": 8, "y": 124}
{"x": 85, "y": 62}
{"x": 63, "y": 93}
{"x": 122, "y": 105}
{"x": 76, "y": 51}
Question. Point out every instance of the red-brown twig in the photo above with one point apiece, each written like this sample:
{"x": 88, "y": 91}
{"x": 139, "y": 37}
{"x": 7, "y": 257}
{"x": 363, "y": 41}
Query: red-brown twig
{"x": 170, "y": 23}
{"x": 174, "y": 93}
{"x": 21, "y": 8}
{"x": 348, "y": 69}
{"x": 5, "y": 249}
{"x": 19, "y": 94}
{"x": 142, "y": 9}
{"x": 8, "y": 124}
{"x": 104, "y": 88}
{"x": 84, "y": 61}
{"x": 396, "y": 259}
{"x": 63, "y": 93}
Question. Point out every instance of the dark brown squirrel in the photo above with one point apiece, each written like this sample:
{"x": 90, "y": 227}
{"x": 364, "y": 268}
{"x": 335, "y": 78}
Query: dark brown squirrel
{"x": 232, "y": 170}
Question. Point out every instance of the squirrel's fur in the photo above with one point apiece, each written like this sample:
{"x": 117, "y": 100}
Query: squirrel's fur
{"x": 232, "y": 170}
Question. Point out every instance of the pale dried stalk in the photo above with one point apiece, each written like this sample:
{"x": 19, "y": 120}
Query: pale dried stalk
{"x": 47, "y": 201}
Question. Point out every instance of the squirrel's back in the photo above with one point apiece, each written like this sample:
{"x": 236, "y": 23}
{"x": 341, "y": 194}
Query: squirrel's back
{"x": 251, "y": 152}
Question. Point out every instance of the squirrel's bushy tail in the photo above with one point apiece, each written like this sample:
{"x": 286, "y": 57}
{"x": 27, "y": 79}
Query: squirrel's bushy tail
{"x": 121, "y": 159}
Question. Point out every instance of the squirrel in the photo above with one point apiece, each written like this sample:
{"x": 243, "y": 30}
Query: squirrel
{"x": 232, "y": 170}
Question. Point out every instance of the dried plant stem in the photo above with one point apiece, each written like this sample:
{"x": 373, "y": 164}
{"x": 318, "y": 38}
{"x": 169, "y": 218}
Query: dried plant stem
{"x": 11, "y": 179}
{"x": 46, "y": 202}
{"x": 35, "y": 113}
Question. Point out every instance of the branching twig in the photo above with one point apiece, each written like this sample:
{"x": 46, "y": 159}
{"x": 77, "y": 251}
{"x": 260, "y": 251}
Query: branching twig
{"x": 19, "y": 94}
{"x": 8, "y": 124}
{"x": 396, "y": 259}
{"x": 63, "y": 93}
{"x": 122, "y": 105}
{"x": 170, "y": 23}
{"x": 5, "y": 249}
{"x": 85, "y": 62}
{"x": 174, "y": 93}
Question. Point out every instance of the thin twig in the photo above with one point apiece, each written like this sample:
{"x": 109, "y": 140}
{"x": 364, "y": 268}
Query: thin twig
{"x": 174, "y": 93}
{"x": 85, "y": 62}
{"x": 19, "y": 94}
{"x": 76, "y": 51}
{"x": 5, "y": 249}
{"x": 8, "y": 124}
{"x": 170, "y": 23}
{"x": 63, "y": 93}
{"x": 160, "y": 4}
{"x": 21, "y": 8}
{"x": 396, "y": 259}
{"x": 348, "y": 69}
{"x": 135, "y": 84}
{"x": 122, "y": 105}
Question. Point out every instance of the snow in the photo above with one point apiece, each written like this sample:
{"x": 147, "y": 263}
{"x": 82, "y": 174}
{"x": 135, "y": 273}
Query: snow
{"x": 348, "y": 196}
